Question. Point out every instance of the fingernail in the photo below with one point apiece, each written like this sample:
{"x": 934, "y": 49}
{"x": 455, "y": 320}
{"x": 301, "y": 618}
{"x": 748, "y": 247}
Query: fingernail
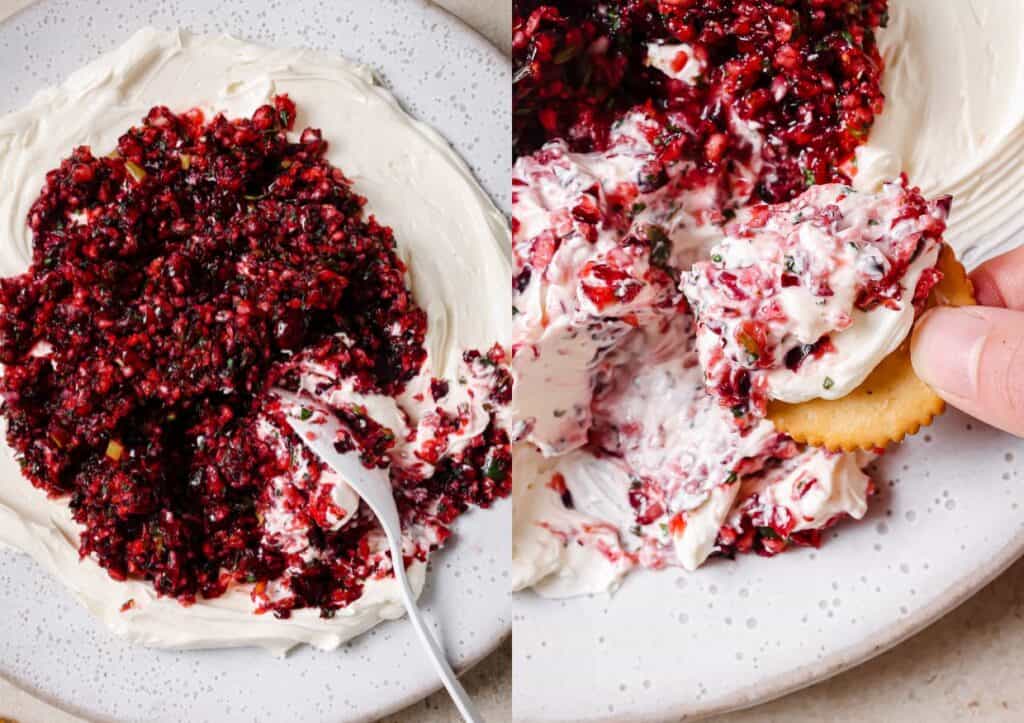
{"x": 946, "y": 349}
{"x": 986, "y": 290}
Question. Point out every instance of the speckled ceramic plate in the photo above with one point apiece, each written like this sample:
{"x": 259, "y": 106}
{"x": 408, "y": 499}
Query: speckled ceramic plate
{"x": 445, "y": 75}
{"x": 950, "y": 517}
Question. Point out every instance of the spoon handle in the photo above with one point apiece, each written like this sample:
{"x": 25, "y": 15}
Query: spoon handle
{"x": 451, "y": 681}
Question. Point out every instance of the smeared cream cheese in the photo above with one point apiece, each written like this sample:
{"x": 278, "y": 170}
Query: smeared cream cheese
{"x": 676, "y": 61}
{"x": 561, "y": 339}
{"x": 812, "y": 488}
{"x": 609, "y": 396}
{"x": 558, "y": 551}
{"x": 954, "y": 115}
{"x": 798, "y": 274}
{"x": 446, "y": 228}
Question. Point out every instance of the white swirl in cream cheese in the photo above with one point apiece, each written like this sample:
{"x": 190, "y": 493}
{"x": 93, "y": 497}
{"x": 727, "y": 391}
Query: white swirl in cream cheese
{"x": 954, "y": 115}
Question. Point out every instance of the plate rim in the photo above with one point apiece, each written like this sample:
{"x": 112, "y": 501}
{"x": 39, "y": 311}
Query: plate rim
{"x": 769, "y": 688}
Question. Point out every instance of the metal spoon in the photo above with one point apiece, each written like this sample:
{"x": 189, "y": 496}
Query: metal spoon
{"x": 318, "y": 432}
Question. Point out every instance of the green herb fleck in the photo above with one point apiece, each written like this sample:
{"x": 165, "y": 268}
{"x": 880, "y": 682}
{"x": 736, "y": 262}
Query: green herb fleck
{"x": 828, "y": 383}
{"x": 614, "y": 20}
{"x": 305, "y": 414}
{"x": 661, "y": 247}
{"x": 565, "y": 55}
{"x": 496, "y": 471}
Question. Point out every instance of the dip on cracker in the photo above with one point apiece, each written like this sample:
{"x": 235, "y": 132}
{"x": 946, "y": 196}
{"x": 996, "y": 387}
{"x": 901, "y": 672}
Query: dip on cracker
{"x": 803, "y": 300}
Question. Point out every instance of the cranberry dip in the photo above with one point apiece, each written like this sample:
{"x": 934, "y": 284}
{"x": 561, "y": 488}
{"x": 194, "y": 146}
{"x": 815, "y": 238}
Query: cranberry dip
{"x": 179, "y": 270}
{"x": 803, "y": 299}
{"x": 644, "y": 130}
{"x": 174, "y": 282}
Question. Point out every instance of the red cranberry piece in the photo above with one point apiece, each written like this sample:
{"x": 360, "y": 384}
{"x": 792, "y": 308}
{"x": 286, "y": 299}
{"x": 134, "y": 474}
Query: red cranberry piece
{"x": 265, "y": 118}
{"x": 285, "y": 111}
{"x": 438, "y": 389}
{"x": 605, "y": 285}
{"x": 82, "y": 173}
{"x": 289, "y": 329}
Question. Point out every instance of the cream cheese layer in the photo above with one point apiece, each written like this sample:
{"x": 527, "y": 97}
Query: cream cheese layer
{"x": 447, "y": 230}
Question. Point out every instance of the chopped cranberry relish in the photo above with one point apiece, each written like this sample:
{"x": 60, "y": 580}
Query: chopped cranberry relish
{"x": 173, "y": 283}
{"x": 807, "y": 72}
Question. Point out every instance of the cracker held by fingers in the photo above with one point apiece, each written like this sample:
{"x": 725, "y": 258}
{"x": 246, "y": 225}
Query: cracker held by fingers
{"x": 803, "y": 303}
{"x": 891, "y": 403}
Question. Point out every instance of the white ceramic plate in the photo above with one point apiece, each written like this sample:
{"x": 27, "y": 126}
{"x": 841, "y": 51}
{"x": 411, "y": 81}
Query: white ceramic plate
{"x": 950, "y": 517}
{"x": 445, "y": 75}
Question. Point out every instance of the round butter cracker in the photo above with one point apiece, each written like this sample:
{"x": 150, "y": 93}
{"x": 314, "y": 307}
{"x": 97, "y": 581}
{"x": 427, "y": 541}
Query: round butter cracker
{"x": 891, "y": 403}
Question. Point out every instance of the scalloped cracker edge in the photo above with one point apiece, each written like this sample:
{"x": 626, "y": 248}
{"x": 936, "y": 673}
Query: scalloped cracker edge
{"x": 891, "y": 403}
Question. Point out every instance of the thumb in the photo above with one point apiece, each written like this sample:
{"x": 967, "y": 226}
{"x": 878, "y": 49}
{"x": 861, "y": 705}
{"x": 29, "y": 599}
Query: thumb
{"x": 973, "y": 356}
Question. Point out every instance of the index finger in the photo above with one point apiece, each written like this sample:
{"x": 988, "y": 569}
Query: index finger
{"x": 999, "y": 282}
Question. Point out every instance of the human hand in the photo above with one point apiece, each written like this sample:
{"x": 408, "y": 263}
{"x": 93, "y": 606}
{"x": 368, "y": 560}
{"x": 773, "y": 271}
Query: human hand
{"x": 973, "y": 356}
